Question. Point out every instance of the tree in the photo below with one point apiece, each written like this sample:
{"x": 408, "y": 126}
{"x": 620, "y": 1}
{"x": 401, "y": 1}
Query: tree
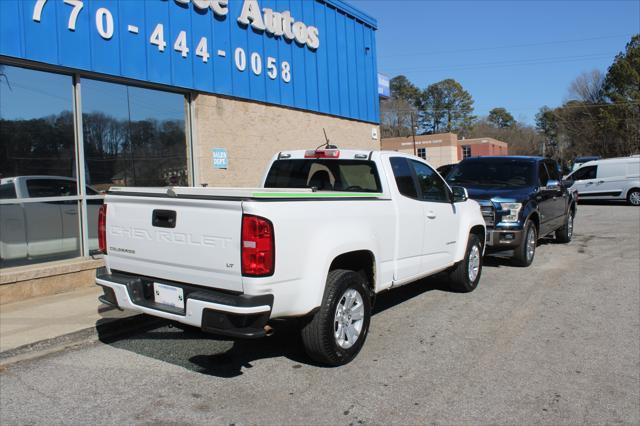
{"x": 395, "y": 112}
{"x": 622, "y": 88}
{"x": 601, "y": 115}
{"x": 588, "y": 87}
{"x": 523, "y": 139}
{"x": 402, "y": 88}
{"x": 446, "y": 106}
{"x": 547, "y": 123}
{"x": 501, "y": 118}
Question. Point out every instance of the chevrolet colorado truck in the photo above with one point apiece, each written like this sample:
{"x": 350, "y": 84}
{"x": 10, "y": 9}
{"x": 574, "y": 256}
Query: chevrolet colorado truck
{"x": 326, "y": 232}
{"x": 522, "y": 199}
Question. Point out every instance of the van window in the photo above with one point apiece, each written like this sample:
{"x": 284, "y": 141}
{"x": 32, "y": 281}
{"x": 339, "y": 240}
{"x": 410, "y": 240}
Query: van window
{"x": 584, "y": 173}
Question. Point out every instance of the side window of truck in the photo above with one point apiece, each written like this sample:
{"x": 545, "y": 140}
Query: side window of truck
{"x": 430, "y": 184}
{"x": 552, "y": 168}
{"x": 543, "y": 175}
{"x": 404, "y": 177}
{"x": 7, "y": 191}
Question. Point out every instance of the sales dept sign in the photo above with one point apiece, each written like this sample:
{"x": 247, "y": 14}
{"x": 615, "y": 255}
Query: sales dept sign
{"x": 269, "y": 22}
{"x": 220, "y": 160}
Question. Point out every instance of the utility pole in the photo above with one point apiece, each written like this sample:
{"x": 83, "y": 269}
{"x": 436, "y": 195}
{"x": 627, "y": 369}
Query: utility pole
{"x": 413, "y": 135}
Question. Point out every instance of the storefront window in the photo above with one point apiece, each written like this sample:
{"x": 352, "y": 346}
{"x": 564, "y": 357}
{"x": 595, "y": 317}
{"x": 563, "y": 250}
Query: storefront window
{"x": 133, "y": 136}
{"x": 39, "y": 214}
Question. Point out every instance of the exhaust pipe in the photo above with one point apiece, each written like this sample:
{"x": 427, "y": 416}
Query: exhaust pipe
{"x": 268, "y": 330}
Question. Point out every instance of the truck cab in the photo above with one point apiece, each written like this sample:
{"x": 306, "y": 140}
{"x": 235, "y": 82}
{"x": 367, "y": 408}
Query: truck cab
{"x": 522, "y": 199}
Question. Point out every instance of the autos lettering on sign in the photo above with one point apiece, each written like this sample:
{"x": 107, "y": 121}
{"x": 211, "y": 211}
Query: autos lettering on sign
{"x": 267, "y": 21}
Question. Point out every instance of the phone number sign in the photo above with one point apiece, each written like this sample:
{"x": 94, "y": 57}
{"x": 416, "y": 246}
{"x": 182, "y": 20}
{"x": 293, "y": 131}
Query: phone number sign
{"x": 266, "y": 50}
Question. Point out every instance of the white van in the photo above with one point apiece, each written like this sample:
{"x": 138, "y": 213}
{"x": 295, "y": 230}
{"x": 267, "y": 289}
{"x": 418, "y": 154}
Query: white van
{"x": 609, "y": 179}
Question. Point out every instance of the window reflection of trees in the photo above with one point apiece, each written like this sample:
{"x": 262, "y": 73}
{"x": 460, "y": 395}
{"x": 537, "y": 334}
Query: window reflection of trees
{"x": 148, "y": 152}
{"x": 40, "y": 146}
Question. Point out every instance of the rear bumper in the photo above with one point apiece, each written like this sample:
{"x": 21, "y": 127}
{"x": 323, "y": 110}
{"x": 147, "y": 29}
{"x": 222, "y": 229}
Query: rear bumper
{"x": 212, "y": 311}
{"x": 504, "y": 239}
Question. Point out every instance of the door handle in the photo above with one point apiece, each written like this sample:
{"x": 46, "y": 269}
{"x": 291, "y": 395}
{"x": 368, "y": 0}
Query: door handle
{"x": 600, "y": 181}
{"x": 431, "y": 215}
{"x": 589, "y": 183}
{"x": 71, "y": 212}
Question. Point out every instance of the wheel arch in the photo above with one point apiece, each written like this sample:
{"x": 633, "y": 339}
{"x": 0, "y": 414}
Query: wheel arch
{"x": 362, "y": 261}
{"x": 481, "y": 232}
{"x": 534, "y": 216}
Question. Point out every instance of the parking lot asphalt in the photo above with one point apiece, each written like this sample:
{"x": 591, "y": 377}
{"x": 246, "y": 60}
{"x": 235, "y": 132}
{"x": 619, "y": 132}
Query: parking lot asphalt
{"x": 555, "y": 343}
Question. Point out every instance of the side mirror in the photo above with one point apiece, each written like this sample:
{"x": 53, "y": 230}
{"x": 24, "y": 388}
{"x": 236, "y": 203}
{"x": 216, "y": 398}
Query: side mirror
{"x": 553, "y": 185}
{"x": 567, "y": 183}
{"x": 460, "y": 194}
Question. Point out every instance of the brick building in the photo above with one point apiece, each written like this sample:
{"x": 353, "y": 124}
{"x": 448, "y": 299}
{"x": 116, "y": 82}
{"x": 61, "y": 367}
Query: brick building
{"x": 445, "y": 148}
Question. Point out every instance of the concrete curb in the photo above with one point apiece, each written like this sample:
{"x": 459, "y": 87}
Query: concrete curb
{"x": 107, "y": 330}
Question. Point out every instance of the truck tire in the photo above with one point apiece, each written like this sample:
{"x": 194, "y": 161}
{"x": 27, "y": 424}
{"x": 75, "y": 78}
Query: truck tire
{"x": 466, "y": 274}
{"x": 564, "y": 234}
{"x": 336, "y": 332}
{"x": 523, "y": 255}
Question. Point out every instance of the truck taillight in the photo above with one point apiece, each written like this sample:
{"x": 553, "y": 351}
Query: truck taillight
{"x": 322, "y": 153}
{"x": 102, "y": 229}
{"x": 258, "y": 250}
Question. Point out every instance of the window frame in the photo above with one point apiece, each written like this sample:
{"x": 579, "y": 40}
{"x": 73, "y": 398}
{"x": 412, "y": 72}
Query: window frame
{"x": 82, "y": 195}
{"x": 447, "y": 189}
{"x": 464, "y": 149}
{"x": 416, "y": 184}
{"x": 583, "y": 169}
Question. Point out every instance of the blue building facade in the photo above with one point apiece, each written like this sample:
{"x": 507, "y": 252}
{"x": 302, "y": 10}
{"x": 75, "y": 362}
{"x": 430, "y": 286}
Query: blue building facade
{"x": 317, "y": 55}
{"x": 97, "y": 93}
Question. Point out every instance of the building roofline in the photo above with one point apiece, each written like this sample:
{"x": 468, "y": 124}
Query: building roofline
{"x": 355, "y": 12}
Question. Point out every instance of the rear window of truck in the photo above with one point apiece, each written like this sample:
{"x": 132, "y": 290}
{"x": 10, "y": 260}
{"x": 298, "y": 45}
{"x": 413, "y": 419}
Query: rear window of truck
{"x": 325, "y": 175}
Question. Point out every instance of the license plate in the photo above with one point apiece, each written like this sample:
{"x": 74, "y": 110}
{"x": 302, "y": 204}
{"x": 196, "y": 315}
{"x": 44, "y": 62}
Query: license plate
{"x": 168, "y": 295}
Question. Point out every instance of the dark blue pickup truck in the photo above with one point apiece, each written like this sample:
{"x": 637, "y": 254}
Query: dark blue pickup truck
{"x": 522, "y": 199}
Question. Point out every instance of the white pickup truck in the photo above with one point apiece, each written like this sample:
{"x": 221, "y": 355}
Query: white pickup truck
{"x": 326, "y": 232}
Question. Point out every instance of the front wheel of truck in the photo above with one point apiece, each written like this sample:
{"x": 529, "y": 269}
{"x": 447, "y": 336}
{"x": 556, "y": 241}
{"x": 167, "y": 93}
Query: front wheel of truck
{"x": 336, "y": 332}
{"x": 524, "y": 254}
{"x": 466, "y": 274}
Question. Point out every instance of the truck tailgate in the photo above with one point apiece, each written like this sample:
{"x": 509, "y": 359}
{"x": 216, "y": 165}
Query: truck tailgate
{"x": 200, "y": 246}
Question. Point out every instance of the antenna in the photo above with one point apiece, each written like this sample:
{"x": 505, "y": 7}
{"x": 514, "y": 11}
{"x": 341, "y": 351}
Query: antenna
{"x": 326, "y": 144}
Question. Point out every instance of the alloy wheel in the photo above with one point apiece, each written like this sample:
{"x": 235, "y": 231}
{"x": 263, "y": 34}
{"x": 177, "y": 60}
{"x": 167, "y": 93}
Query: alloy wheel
{"x": 348, "y": 318}
{"x": 474, "y": 263}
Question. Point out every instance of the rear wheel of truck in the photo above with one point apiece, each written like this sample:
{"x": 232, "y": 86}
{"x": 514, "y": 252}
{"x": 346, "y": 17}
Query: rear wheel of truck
{"x": 564, "y": 234}
{"x": 337, "y": 331}
{"x": 466, "y": 274}
{"x": 524, "y": 254}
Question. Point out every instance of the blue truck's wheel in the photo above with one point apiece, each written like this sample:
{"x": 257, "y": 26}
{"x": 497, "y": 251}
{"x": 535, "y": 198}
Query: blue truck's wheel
{"x": 564, "y": 234}
{"x": 523, "y": 255}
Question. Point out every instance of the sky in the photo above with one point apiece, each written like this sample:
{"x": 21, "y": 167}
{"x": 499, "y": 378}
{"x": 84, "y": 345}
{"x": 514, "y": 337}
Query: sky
{"x": 515, "y": 54}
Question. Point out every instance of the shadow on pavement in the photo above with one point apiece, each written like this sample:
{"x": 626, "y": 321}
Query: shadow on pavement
{"x": 220, "y": 356}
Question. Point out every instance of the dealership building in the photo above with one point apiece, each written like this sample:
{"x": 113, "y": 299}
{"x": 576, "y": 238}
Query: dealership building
{"x": 445, "y": 148}
{"x": 99, "y": 93}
